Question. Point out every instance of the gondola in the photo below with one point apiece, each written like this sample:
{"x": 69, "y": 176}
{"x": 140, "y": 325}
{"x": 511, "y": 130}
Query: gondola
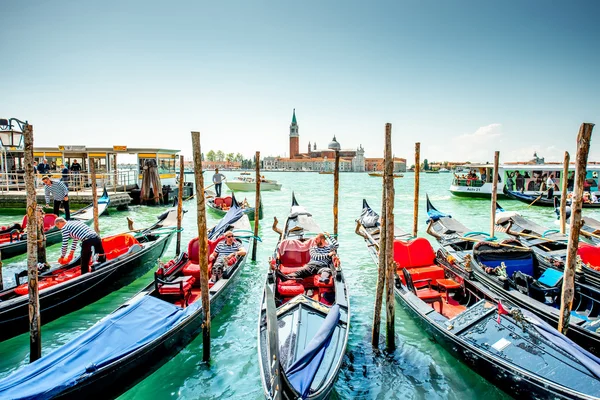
{"x": 303, "y": 326}
{"x": 139, "y": 336}
{"x": 13, "y": 239}
{"x": 541, "y": 199}
{"x": 64, "y": 289}
{"x": 220, "y": 205}
{"x": 513, "y": 349}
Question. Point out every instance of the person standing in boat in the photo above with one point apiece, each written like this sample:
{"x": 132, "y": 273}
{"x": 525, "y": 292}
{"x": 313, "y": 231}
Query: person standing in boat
{"x": 322, "y": 255}
{"x": 226, "y": 252}
{"x": 520, "y": 182}
{"x": 218, "y": 181}
{"x": 59, "y": 193}
{"x": 77, "y": 231}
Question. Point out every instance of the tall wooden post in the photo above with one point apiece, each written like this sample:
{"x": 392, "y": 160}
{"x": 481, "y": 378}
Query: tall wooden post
{"x": 389, "y": 244}
{"x": 115, "y": 173}
{"x": 180, "y": 204}
{"x": 203, "y": 242}
{"x": 494, "y": 195}
{"x": 94, "y": 194}
{"x": 416, "y": 202}
{"x": 568, "y": 287}
{"x": 563, "y": 194}
{"x": 336, "y": 187}
{"x": 35, "y": 339}
{"x": 256, "y": 206}
{"x": 382, "y": 261}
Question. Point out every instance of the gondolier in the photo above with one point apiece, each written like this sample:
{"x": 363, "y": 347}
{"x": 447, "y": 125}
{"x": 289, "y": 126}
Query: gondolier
{"x": 59, "y": 193}
{"x": 225, "y": 251}
{"x": 322, "y": 255}
{"x": 218, "y": 181}
{"x": 77, "y": 231}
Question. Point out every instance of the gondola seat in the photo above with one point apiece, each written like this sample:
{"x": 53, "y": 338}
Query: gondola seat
{"x": 428, "y": 295}
{"x": 192, "y": 268}
{"x": 326, "y": 290}
{"x": 181, "y": 287}
{"x": 49, "y": 281}
{"x": 289, "y": 289}
{"x": 418, "y": 257}
{"x": 293, "y": 255}
{"x": 48, "y": 222}
{"x": 227, "y": 201}
{"x": 117, "y": 245}
{"x": 590, "y": 255}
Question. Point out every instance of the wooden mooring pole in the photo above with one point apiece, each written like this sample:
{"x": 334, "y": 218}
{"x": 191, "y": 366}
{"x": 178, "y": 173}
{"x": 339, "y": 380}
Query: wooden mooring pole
{"x": 416, "y": 202}
{"x": 35, "y": 339}
{"x": 94, "y": 194}
{"x": 180, "y": 204}
{"x": 41, "y": 239}
{"x": 389, "y": 243}
{"x": 494, "y": 195}
{"x": 336, "y": 187}
{"x": 568, "y": 288}
{"x": 256, "y": 206}
{"x": 203, "y": 242}
{"x": 382, "y": 262}
{"x": 563, "y": 194}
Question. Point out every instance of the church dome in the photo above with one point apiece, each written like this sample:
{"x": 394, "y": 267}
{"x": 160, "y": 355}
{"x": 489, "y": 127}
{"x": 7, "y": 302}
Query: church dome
{"x": 334, "y": 145}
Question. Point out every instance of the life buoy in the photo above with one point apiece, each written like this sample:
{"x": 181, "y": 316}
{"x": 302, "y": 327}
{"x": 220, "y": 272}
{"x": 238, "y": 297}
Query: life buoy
{"x": 468, "y": 182}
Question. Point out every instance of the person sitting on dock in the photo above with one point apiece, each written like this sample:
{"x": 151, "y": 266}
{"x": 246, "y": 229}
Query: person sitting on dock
{"x": 60, "y": 194}
{"x": 218, "y": 181}
{"x": 322, "y": 256}
{"x": 226, "y": 251}
{"x": 77, "y": 231}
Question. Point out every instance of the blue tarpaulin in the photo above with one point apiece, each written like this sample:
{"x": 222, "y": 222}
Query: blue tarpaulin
{"x": 233, "y": 214}
{"x": 112, "y": 338}
{"x": 302, "y": 372}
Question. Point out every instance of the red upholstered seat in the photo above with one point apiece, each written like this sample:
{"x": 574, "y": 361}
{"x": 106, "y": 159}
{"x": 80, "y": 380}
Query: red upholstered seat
{"x": 288, "y": 270}
{"x": 590, "y": 255}
{"x": 117, "y": 245}
{"x": 227, "y": 201}
{"x": 177, "y": 286}
{"x": 427, "y": 294}
{"x": 319, "y": 284}
{"x": 49, "y": 221}
{"x": 191, "y": 269}
{"x": 290, "y": 289}
{"x": 194, "y": 249}
{"x": 294, "y": 258}
{"x": 413, "y": 253}
{"x": 24, "y": 223}
{"x": 52, "y": 280}
{"x": 219, "y": 202}
{"x": 434, "y": 273}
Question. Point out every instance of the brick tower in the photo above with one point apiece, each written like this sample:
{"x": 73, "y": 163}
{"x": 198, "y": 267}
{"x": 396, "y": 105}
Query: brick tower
{"x": 294, "y": 137}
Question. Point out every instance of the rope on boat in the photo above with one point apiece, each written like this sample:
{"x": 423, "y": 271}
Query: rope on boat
{"x": 550, "y": 231}
{"x": 488, "y": 239}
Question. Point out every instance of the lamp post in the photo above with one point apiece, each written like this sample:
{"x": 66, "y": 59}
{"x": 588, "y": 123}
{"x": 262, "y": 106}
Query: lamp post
{"x": 335, "y": 146}
{"x": 10, "y": 139}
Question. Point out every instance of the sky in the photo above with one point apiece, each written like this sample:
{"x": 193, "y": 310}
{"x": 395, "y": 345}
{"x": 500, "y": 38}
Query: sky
{"x": 463, "y": 78}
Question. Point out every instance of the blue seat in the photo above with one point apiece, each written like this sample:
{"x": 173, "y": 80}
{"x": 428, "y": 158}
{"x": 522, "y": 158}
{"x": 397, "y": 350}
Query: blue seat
{"x": 550, "y": 277}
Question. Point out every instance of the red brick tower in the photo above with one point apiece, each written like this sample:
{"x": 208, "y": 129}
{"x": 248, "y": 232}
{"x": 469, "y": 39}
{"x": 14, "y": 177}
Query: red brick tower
{"x": 294, "y": 137}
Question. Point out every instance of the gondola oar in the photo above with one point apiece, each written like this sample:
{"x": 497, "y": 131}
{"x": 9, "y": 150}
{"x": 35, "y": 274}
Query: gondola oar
{"x": 539, "y": 197}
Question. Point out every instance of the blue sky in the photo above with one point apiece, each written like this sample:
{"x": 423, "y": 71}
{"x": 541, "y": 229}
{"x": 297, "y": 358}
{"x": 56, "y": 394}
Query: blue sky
{"x": 464, "y": 78}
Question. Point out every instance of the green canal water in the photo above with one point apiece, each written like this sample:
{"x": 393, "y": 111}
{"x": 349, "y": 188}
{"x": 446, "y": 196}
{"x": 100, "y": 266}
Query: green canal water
{"x": 418, "y": 369}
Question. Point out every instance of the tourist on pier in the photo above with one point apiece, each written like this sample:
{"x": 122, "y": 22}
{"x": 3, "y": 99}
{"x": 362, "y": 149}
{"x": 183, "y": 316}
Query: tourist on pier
{"x": 65, "y": 175}
{"x": 76, "y": 170}
{"x": 44, "y": 168}
{"x": 59, "y": 193}
{"x": 218, "y": 181}
{"x": 77, "y": 231}
{"x": 226, "y": 252}
{"x": 550, "y": 186}
{"x": 322, "y": 256}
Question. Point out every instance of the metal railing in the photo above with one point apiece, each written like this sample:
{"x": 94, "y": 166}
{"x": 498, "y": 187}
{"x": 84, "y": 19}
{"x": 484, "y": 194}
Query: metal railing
{"x": 113, "y": 180}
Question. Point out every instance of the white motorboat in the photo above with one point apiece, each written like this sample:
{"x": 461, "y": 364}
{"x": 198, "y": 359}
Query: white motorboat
{"x": 248, "y": 184}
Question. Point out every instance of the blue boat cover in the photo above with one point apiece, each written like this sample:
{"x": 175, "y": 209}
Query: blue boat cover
{"x": 433, "y": 213}
{"x": 232, "y": 215}
{"x": 112, "y": 338}
{"x": 550, "y": 277}
{"x": 302, "y": 372}
{"x": 587, "y": 359}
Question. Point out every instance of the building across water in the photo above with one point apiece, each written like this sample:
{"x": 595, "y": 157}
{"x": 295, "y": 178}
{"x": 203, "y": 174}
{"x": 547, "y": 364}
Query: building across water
{"x": 316, "y": 159}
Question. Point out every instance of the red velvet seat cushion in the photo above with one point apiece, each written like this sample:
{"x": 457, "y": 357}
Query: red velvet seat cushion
{"x": 117, "y": 245}
{"x": 413, "y": 253}
{"x": 433, "y": 272}
{"x": 194, "y": 249}
{"x": 174, "y": 288}
{"x": 49, "y": 221}
{"x": 294, "y": 258}
{"x": 288, "y": 270}
{"x": 290, "y": 288}
{"x": 589, "y": 255}
{"x": 319, "y": 284}
{"x": 227, "y": 201}
{"x": 428, "y": 294}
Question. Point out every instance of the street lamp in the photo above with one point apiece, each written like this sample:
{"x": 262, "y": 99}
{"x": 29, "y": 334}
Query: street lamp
{"x": 10, "y": 137}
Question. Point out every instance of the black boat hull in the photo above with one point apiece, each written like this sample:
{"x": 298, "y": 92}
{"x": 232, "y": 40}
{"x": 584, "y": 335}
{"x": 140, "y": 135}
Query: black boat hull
{"x": 61, "y": 300}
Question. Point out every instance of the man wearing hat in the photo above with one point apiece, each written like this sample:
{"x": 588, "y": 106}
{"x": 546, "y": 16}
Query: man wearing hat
{"x": 59, "y": 193}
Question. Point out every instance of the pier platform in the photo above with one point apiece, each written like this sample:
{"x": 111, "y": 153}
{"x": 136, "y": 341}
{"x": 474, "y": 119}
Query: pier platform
{"x": 79, "y": 199}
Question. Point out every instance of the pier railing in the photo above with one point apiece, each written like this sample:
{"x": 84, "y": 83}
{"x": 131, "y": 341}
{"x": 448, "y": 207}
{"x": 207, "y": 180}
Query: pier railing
{"x": 76, "y": 181}
{"x": 468, "y": 182}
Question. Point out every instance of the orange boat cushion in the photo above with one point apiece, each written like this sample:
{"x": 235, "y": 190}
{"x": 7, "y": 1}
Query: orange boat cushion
{"x": 413, "y": 253}
{"x": 590, "y": 255}
{"x": 320, "y": 284}
{"x": 227, "y": 201}
{"x": 53, "y": 280}
{"x": 290, "y": 288}
{"x": 117, "y": 245}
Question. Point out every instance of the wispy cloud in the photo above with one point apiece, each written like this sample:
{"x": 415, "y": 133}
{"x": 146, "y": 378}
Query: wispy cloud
{"x": 478, "y": 146}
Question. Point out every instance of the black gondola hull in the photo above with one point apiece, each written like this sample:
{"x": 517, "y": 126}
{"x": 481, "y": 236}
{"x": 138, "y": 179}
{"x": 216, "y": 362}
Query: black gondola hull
{"x": 60, "y": 300}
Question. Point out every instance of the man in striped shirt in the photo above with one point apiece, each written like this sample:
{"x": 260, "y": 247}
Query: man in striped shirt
{"x": 59, "y": 193}
{"x": 77, "y": 231}
{"x": 224, "y": 253}
{"x": 322, "y": 255}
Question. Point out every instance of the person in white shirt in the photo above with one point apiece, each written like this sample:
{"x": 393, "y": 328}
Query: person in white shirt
{"x": 550, "y": 186}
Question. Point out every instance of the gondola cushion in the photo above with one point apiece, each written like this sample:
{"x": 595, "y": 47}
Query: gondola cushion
{"x": 116, "y": 245}
{"x": 319, "y": 284}
{"x": 428, "y": 294}
{"x": 188, "y": 281}
{"x": 433, "y": 272}
{"x": 590, "y": 255}
{"x": 290, "y": 288}
{"x": 413, "y": 253}
{"x": 194, "y": 248}
{"x": 47, "y": 282}
{"x": 294, "y": 253}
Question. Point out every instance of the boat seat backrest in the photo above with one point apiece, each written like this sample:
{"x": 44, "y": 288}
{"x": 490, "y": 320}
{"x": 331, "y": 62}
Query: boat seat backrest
{"x": 49, "y": 221}
{"x": 194, "y": 248}
{"x": 24, "y": 223}
{"x": 413, "y": 253}
{"x": 218, "y": 201}
{"x": 589, "y": 254}
{"x": 294, "y": 252}
{"x": 227, "y": 201}
{"x": 117, "y": 245}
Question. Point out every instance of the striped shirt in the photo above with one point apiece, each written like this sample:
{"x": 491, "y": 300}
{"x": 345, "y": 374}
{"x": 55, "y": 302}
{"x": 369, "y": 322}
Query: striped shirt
{"x": 77, "y": 231}
{"x": 58, "y": 190}
{"x": 320, "y": 255}
{"x": 223, "y": 249}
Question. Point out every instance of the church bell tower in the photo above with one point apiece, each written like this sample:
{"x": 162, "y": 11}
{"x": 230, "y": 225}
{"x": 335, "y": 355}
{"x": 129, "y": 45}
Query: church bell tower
{"x": 294, "y": 137}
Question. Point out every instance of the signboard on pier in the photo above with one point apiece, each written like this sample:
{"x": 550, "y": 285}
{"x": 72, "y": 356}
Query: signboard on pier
{"x": 71, "y": 148}
{"x": 119, "y": 148}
